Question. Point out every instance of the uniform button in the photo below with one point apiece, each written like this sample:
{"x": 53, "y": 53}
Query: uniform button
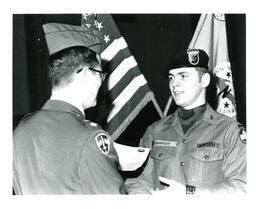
{"x": 181, "y": 163}
{"x": 206, "y": 157}
{"x": 160, "y": 155}
{"x": 185, "y": 140}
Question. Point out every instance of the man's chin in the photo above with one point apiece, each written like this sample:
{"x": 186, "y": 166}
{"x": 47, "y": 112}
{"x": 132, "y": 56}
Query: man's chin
{"x": 179, "y": 103}
{"x": 93, "y": 104}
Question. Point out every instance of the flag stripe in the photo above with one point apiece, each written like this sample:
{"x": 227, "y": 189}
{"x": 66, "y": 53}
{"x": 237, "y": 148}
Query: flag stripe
{"x": 120, "y": 71}
{"x": 112, "y": 65}
{"x": 113, "y": 49}
{"x": 122, "y": 83}
{"x": 130, "y": 105}
{"x": 126, "y": 94}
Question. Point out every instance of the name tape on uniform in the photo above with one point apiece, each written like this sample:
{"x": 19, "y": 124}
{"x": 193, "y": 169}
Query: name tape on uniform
{"x": 164, "y": 143}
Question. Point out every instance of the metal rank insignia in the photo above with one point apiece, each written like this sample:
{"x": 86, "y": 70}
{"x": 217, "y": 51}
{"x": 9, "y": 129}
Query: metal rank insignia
{"x": 193, "y": 56}
{"x": 103, "y": 142}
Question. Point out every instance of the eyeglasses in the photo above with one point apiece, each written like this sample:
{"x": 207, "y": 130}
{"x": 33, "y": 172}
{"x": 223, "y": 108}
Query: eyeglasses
{"x": 103, "y": 75}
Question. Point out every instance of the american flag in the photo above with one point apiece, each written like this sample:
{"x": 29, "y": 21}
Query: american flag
{"x": 126, "y": 91}
{"x": 210, "y": 35}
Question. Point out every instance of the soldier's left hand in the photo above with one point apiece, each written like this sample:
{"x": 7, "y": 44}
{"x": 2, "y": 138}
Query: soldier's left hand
{"x": 174, "y": 187}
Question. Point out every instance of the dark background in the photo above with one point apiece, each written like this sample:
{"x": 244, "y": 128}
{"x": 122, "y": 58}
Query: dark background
{"x": 152, "y": 39}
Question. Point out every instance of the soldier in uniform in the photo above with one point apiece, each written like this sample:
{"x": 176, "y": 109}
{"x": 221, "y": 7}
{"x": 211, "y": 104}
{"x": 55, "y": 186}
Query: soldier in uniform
{"x": 195, "y": 149}
{"x": 56, "y": 150}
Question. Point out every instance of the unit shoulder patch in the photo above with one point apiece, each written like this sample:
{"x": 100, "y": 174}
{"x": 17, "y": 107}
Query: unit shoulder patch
{"x": 243, "y": 135}
{"x": 103, "y": 142}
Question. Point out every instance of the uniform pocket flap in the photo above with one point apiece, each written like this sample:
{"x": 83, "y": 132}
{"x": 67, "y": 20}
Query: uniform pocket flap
{"x": 162, "y": 153}
{"x": 207, "y": 153}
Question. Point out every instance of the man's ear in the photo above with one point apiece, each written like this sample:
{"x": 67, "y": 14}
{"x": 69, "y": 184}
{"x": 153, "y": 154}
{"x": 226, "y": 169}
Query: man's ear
{"x": 205, "y": 80}
{"x": 80, "y": 76}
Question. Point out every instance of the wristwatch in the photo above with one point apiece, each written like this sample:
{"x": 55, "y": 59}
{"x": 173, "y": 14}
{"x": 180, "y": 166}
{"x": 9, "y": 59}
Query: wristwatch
{"x": 190, "y": 189}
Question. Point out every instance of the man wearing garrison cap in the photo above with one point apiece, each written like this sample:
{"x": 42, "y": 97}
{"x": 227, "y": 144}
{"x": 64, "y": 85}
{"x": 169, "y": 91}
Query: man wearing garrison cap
{"x": 195, "y": 149}
{"x": 56, "y": 150}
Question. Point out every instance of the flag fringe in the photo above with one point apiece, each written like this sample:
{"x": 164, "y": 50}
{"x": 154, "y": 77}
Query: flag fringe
{"x": 147, "y": 98}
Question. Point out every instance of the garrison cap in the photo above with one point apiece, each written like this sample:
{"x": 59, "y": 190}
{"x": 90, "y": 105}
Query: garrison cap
{"x": 190, "y": 58}
{"x": 61, "y": 36}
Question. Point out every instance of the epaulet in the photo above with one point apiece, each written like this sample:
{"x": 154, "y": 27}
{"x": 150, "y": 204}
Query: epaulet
{"x": 167, "y": 120}
{"x": 27, "y": 115}
{"x": 87, "y": 123}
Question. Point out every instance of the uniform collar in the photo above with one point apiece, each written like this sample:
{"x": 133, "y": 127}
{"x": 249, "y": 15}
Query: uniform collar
{"x": 195, "y": 113}
{"x": 209, "y": 116}
{"x": 61, "y": 106}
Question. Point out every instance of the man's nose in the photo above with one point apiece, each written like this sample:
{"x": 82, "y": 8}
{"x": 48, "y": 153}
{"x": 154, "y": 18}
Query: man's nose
{"x": 175, "y": 82}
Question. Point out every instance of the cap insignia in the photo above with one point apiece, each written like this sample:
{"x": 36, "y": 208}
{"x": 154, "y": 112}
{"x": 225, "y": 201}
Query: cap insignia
{"x": 193, "y": 56}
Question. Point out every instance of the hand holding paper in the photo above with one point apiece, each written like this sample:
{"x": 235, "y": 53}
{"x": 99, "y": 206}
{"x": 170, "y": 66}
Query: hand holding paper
{"x": 131, "y": 158}
{"x": 174, "y": 187}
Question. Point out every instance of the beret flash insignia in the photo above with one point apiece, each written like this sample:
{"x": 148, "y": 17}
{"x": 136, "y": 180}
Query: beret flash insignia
{"x": 193, "y": 56}
{"x": 103, "y": 142}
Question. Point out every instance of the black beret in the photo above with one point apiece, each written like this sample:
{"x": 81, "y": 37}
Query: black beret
{"x": 189, "y": 58}
{"x": 61, "y": 36}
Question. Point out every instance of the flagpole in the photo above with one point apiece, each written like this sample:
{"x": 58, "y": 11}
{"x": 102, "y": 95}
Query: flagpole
{"x": 168, "y": 104}
{"x": 157, "y": 107}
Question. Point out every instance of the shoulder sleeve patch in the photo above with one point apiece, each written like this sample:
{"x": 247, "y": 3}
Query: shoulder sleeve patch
{"x": 103, "y": 142}
{"x": 242, "y": 135}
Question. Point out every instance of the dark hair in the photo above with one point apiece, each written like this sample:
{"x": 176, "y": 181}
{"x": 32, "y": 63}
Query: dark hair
{"x": 201, "y": 71}
{"x": 211, "y": 91}
{"x": 211, "y": 96}
{"x": 63, "y": 64}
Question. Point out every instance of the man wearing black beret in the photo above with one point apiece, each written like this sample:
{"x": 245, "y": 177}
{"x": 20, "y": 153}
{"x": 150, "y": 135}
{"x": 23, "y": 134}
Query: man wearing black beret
{"x": 195, "y": 149}
{"x": 56, "y": 150}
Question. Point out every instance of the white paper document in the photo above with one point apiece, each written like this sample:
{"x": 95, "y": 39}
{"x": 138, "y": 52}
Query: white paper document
{"x": 131, "y": 158}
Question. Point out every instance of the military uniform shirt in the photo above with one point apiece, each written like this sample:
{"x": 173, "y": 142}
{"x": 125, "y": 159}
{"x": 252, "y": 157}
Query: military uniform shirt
{"x": 211, "y": 155}
{"x": 57, "y": 151}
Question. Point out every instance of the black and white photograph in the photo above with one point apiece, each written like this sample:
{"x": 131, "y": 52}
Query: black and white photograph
{"x": 129, "y": 103}
{"x": 128, "y": 108}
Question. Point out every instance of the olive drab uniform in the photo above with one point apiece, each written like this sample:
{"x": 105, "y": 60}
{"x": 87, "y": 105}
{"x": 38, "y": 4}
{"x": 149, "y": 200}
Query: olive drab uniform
{"x": 57, "y": 151}
{"x": 211, "y": 155}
